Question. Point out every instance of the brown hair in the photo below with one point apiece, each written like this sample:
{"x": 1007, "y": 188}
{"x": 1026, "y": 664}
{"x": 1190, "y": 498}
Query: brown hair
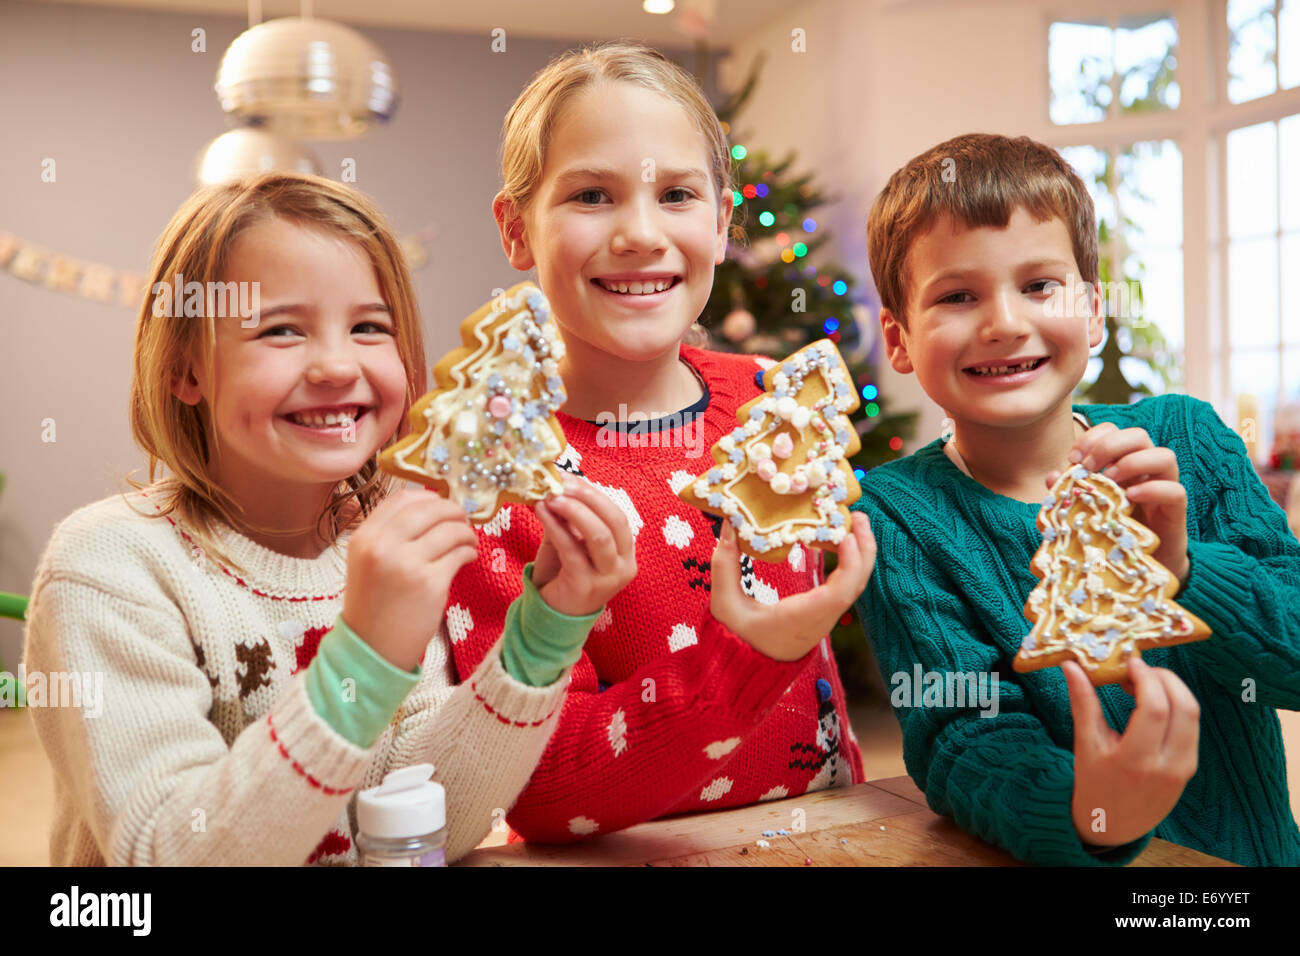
{"x": 197, "y": 244}
{"x": 977, "y": 179}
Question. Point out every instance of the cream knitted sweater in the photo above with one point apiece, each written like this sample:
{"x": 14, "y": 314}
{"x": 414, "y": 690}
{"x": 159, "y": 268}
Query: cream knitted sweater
{"x": 206, "y": 748}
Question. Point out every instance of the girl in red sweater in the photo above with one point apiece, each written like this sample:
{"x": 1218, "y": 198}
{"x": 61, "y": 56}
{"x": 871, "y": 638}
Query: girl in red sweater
{"x": 708, "y": 682}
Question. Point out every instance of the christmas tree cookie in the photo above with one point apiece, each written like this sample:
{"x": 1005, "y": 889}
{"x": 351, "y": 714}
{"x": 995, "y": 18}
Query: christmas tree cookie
{"x": 487, "y": 433}
{"x": 1101, "y": 595}
{"x": 783, "y": 476}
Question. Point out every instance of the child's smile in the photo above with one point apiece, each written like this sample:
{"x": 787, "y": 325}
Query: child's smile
{"x": 305, "y": 396}
{"x": 991, "y": 335}
{"x": 626, "y": 226}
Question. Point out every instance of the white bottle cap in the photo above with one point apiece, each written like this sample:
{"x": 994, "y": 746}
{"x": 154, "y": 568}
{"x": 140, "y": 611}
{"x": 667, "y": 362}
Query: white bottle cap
{"x": 406, "y": 804}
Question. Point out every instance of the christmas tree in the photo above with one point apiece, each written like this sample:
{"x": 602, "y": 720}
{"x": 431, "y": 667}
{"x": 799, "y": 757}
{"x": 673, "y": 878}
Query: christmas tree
{"x": 769, "y": 298}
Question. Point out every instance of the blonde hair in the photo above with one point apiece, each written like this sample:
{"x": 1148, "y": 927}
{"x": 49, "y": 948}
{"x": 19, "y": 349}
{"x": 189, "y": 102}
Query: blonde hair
{"x": 528, "y": 126}
{"x": 197, "y": 245}
{"x": 977, "y": 179}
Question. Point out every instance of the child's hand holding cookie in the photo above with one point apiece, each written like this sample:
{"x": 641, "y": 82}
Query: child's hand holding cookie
{"x": 588, "y": 553}
{"x": 1149, "y": 476}
{"x": 1136, "y": 778}
{"x": 401, "y": 561}
{"x": 790, "y": 628}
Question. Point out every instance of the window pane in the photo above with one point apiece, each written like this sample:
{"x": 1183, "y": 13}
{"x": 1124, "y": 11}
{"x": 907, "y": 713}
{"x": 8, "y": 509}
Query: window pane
{"x": 1144, "y": 58}
{"x": 1252, "y": 294}
{"x": 1291, "y": 288}
{"x": 1162, "y": 295}
{"x": 1291, "y": 375}
{"x": 1150, "y": 193}
{"x": 1251, "y": 44}
{"x": 1288, "y": 44}
{"x": 1255, "y": 373}
{"x": 1080, "y": 63}
{"x": 1149, "y": 184}
{"x": 1289, "y": 149}
{"x": 1252, "y": 181}
{"x": 1090, "y": 163}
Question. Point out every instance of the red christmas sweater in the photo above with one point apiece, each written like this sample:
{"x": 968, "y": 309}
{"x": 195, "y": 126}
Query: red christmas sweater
{"x": 668, "y": 711}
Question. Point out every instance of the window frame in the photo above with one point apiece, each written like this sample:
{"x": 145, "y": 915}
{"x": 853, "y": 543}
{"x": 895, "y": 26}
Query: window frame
{"x": 1199, "y": 126}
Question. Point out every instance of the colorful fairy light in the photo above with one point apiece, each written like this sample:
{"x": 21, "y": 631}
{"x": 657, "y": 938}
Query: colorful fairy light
{"x": 762, "y": 189}
{"x": 749, "y": 192}
{"x": 739, "y": 152}
{"x": 782, "y": 239}
{"x": 736, "y": 198}
{"x": 896, "y": 443}
{"x": 869, "y": 392}
{"x": 765, "y": 217}
{"x": 810, "y": 225}
{"x": 859, "y": 474}
{"x": 873, "y": 410}
{"x": 830, "y": 325}
{"x": 840, "y": 287}
{"x": 800, "y": 249}
{"x": 787, "y": 255}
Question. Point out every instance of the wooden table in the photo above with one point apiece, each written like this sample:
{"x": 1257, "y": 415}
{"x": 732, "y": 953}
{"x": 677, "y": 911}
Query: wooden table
{"x": 885, "y": 823}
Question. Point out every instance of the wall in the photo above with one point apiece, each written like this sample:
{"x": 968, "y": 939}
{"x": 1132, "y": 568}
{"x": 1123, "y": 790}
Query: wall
{"x": 119, "y": 101}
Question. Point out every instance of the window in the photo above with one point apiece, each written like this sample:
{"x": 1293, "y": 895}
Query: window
{"x": 1263, "y": 243}
{"x": 1196, "y": 177}
{"x": 1101, "y": 69}
{"x": 1262, "y": 199}
{"x": 1263, "y": 47}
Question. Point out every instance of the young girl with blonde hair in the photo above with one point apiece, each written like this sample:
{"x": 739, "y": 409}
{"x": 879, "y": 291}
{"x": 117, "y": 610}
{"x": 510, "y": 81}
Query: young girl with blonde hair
{"x": 708, "y": 682}
{"x": 267, "y": 620}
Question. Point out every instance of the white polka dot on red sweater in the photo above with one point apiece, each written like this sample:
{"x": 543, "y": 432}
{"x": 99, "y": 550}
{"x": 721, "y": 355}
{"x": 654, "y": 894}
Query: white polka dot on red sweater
{"x": 583, "y": 826}
{"x": 677, "y": 532}
{"x": 764, "y": 593}
{"x": 796, "y": 557}
{"x": 624, "y": 502}
{"x": 459, "y": 623}
{"x": 716, "y": 790}
{"x": 604, "y": 620}
{"x": 499, "y": 524}
{"x": 617, "y": 732}
{"x": 683, "y": 635}
{"x": 776, "y": 793}
{"x": 720, "y": 748}
{"x": 679, "y": 480}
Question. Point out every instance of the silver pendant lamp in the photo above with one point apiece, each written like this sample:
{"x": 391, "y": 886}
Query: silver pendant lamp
{"x": 294, "y": 78}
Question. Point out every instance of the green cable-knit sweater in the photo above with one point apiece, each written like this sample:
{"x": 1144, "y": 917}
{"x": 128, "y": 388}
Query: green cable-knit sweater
{"x": 948, "y": 594}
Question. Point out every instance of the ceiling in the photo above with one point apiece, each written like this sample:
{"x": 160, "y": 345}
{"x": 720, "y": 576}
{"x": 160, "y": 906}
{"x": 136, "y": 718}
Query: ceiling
{"x": 566, "y": 19}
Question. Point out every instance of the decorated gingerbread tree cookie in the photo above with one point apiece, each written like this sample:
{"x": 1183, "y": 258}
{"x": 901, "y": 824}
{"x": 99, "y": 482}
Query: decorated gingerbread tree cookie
{"x": 782, "y": 477}
{"x": 1102, "y": 596}
{"x": 487, "y": 433}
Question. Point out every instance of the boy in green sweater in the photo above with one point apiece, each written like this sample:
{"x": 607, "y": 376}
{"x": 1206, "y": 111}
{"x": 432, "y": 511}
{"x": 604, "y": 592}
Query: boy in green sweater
{"x": 978, "y": 247}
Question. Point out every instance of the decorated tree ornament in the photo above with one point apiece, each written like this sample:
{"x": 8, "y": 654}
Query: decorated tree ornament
{"x": 487, "y": 433}
{"x": 1101, "y": 596}
{"x": 738, "y": 325}
{"x": 783, "y": 478}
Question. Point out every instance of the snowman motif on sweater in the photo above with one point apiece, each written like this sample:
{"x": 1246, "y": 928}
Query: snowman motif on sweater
{"x": 823, "y": 754}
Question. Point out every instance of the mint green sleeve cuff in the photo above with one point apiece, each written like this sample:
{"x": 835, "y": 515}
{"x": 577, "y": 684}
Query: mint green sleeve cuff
{"x": 352, "y": 688}
{"x": 539, "y": 642}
